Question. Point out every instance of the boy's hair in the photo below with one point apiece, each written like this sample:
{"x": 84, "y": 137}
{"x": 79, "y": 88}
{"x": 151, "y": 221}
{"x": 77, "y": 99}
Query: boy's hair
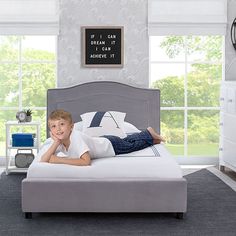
{"x": 60, "y": 114}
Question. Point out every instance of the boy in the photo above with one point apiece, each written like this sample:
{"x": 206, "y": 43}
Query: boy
{"x": 79, "y": 148}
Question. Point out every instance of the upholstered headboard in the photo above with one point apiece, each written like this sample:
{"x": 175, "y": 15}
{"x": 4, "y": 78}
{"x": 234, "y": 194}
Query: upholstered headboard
{"x": 141, "y": 105}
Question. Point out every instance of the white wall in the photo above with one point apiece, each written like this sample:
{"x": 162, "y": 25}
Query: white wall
{"x": 132, "y": 14}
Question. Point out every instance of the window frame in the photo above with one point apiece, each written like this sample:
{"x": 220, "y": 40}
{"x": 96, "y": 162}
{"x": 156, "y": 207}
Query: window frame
{"x": 20, "y": 62}
{"x": 183, "y": 158}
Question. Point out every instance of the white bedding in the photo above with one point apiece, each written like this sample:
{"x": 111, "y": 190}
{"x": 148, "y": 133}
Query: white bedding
{"x": 151, "y": 163}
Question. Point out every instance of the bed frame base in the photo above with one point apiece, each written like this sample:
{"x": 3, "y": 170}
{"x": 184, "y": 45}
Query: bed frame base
{"x": 124, "y": 196}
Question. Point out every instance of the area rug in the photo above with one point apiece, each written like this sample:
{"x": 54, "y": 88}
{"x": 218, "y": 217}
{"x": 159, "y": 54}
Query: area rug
{"x": 211, "y": 211}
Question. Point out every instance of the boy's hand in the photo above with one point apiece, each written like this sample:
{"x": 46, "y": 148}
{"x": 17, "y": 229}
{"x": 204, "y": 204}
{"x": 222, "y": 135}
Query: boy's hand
{"x": 55, "y": 138}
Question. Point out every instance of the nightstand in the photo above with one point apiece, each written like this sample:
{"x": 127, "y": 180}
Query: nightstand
{"x": 10, "y": 167}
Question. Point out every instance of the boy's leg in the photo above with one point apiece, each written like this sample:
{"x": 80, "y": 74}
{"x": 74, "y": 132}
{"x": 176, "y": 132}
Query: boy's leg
{"x": 131, "y": 143}
{"x": 143, "y": 135}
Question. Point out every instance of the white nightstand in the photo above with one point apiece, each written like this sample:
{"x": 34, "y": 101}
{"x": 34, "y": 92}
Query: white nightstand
{"x": 9, "y": 147}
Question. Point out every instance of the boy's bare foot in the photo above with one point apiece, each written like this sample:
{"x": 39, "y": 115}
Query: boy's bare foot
{"x": 156, "y": 137}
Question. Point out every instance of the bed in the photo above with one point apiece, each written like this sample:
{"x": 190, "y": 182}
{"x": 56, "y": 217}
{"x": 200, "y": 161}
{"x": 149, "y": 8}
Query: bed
{"x": 148, "y": 181}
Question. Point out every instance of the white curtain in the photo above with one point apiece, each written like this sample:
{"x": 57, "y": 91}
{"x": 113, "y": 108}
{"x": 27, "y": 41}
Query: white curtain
{"x": 29, "y": 17}
{"x": 187, "y": 17}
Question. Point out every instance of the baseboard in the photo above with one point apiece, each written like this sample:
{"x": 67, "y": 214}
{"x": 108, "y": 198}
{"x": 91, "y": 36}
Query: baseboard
{"x": 198, "y": 160}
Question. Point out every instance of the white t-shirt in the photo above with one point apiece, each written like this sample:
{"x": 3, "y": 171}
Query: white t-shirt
{"x": 79, "y": 144}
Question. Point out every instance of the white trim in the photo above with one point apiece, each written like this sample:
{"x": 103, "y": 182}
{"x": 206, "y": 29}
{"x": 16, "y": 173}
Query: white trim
{"x": 20, "y": 73}
{"x": 188, "y": 63}
{"x": 190, "y": 108}
{"x": 29, "y": 28}
{"x": 223, "y": 60}
{"x": 185, "y": 99}
{"x": 186, "y": 29}
{"x": 226, "y": 179}
{"x": 17, "y": 108}
{"x": 197, "y": 160}
{"x": 27, "y": 62}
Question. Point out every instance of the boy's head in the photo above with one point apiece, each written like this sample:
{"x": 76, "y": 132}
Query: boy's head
{"x": 60, "y": 114}
{"x": 60, "y": 124}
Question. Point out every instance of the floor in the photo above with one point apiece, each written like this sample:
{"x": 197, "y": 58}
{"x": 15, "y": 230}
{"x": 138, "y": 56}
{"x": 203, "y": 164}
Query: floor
{"x": 228, "y": 176}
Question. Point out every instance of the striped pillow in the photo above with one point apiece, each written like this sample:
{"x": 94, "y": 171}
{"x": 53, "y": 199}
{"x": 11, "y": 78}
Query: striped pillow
{"x": 101, "y": 123}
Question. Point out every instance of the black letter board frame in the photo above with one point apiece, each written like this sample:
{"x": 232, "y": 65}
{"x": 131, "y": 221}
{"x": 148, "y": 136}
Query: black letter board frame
{"x": 102, "y": 46}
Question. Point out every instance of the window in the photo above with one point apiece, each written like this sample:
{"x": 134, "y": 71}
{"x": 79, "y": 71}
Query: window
{"x": 27, "y": 70}
{"x": 188, "y": 71}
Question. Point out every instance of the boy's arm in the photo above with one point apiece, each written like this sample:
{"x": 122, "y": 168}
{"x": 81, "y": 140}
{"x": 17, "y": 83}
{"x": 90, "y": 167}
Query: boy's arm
{"x": 51, "y": 151}
{"x": 84, "y": 160}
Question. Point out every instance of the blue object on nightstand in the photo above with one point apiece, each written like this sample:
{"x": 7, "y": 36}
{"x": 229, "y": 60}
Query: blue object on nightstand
{"x": 22, "y": 140}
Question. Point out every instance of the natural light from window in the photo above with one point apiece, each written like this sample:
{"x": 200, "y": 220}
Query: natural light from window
{"x": 188, "y": 72}
{"x": 27, "y": 70}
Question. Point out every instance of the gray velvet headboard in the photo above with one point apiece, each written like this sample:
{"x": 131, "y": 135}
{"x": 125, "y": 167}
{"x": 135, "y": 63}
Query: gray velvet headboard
{"x": 142, "y": 106}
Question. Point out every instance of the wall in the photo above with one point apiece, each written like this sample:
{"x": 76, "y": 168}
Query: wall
{"x": 230, "y": 52}
{"x": 132, "y": 14}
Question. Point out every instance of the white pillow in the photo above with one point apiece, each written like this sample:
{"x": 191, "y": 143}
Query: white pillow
{"x": 104, "y": 123}
{"x": 129, "y": 128}
{"x": 78, "y": 126}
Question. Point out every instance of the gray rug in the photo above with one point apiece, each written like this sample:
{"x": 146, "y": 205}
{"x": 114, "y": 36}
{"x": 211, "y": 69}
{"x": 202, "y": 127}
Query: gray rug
{"x": 211, "y": 211}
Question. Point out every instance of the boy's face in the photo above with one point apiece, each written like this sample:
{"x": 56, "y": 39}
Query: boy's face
{"x": 61, "y": 128}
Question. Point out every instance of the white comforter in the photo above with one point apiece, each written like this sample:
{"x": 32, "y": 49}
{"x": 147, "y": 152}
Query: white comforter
{"x": 150, "y": 163}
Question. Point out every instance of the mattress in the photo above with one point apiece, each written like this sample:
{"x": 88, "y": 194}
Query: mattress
{"x": 150, "y": 163}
